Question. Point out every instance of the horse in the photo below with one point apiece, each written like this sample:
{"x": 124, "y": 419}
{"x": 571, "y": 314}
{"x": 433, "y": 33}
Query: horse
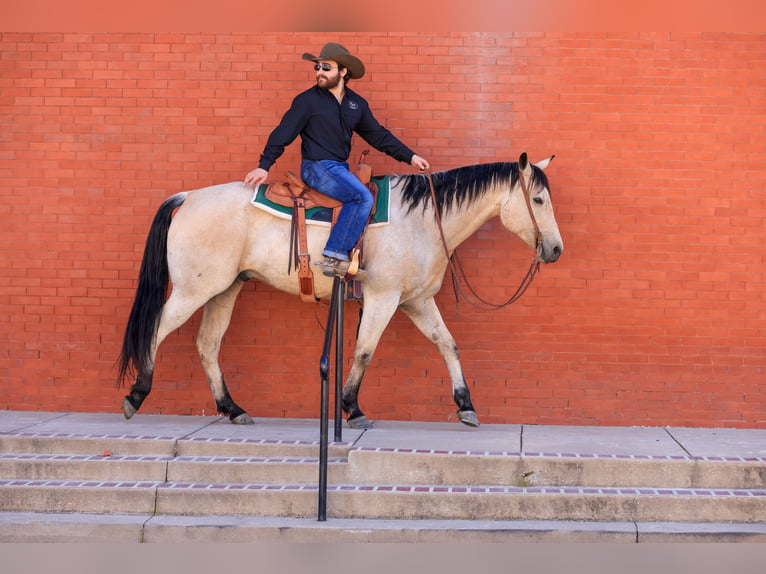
{"x": 216, "y": 241}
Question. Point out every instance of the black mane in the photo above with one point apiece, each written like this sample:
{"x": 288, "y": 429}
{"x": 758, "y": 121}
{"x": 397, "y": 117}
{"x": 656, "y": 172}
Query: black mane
{"x": 463, "y": 184}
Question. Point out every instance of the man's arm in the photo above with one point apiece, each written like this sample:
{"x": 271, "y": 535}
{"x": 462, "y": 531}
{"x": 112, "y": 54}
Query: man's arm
{"x": 283, "y": 135}
{"x": 382, "y": 139}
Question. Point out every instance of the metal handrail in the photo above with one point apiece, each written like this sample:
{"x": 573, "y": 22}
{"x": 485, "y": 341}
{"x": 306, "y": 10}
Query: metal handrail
{"x": 334, "y": 317}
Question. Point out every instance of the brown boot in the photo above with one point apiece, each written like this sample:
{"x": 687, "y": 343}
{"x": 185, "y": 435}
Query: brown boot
{"x": 332, "y": 267}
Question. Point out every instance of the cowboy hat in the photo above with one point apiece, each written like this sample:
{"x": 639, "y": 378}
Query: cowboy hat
{"x": 337, "y": 53}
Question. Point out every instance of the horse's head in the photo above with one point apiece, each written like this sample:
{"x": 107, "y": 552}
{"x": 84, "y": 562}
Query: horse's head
{"x": 527, "y": 211}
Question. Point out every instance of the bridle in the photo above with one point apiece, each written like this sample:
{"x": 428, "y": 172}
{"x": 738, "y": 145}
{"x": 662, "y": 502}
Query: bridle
{"x": 456, "y": 266}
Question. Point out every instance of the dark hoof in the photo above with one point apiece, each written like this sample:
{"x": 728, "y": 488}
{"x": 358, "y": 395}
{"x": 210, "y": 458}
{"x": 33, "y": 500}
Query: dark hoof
{"x": 128, "y": 409}
{"x": 468, "y": 418}
{"x": 243, "y": 419}
{"x": 361, "y": 422}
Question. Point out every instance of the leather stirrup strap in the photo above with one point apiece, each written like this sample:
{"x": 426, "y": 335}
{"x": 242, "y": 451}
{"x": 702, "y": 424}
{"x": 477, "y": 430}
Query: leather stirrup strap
{"x": 305, "y": 276}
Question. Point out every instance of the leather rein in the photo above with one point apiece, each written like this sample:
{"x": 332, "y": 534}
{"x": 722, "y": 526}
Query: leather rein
{"x": 456, "y": 267}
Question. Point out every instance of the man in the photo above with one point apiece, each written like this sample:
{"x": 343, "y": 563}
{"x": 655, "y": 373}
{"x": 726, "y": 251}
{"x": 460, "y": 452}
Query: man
{"x": 326, "y": 116}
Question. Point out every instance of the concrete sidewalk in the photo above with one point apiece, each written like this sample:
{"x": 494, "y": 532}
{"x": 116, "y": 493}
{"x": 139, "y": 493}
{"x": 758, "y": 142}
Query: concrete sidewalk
{"x": 615, "y": 442}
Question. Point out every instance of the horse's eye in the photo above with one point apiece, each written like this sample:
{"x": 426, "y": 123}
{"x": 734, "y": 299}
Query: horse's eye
{"x": 539, "y": 200}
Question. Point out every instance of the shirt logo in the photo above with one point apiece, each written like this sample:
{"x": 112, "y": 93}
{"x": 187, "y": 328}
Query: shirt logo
{"x": 352, "y": 104}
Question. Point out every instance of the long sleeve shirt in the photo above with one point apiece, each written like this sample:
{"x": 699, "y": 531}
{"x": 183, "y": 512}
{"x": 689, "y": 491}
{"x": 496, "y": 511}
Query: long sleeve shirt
{"x": 326, "y": 128}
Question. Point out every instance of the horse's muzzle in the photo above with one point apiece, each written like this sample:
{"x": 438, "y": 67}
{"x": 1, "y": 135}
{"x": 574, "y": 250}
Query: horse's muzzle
{"x": 547, "y": 253}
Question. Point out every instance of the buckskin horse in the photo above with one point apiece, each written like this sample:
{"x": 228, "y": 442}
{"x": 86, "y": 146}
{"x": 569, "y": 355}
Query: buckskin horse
{"x": 217, "y": 240}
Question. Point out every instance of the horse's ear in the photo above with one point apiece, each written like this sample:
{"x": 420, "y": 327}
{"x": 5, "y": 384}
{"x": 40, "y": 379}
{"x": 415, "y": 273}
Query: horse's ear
{"x": 544, "y": 163}
{"x": 524, "y": 166}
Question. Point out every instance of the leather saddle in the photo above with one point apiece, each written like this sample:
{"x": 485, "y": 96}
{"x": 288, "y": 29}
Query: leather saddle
{"x": 297, "y": 195}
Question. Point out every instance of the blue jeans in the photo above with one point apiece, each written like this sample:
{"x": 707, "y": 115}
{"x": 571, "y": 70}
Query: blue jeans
{"x": 335, "y": 180}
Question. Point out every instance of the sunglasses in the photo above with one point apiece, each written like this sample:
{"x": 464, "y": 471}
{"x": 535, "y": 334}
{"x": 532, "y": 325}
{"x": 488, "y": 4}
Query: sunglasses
{"x": 324, "y": 67}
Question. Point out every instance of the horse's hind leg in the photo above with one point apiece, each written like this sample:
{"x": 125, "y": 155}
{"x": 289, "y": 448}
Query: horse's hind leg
{"x": 138, "y": 393}
{"x": 175, "y": 312}
{"x": 215, "y": 321}
{"x": 425, "y": 314}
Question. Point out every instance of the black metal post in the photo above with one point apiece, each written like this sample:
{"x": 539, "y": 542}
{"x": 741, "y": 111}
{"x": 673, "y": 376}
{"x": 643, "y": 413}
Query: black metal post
{"x": 324, "y": 373}
{"x": 339, "y": 363}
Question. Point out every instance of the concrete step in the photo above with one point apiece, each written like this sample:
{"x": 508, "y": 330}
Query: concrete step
{"x": 100, "y": 497}
{"x": 125, "y": 444}
{"x": 258, "y": 448}
{"x": 225, "y": 469}
{"x": 411, "y": 466}
{"x": 254, "y": 470}
{"x": 468, "y": 503}
{"x": 387, "y": 502}
{"x": 81, "y": 527}
{"x": 84, "y": 467}
{"x": 290, "y": 462}
{"x": 64, "y": 443}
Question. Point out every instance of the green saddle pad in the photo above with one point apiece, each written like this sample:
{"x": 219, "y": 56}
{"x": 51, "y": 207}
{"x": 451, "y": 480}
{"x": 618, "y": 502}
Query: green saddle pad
{"x": 323, "y": 215}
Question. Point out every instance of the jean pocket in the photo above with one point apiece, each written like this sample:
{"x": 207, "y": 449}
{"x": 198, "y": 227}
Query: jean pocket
{"x": 306, "y": 173}
{"x": 314, "y": 175}
{"x": 318, "y": 176}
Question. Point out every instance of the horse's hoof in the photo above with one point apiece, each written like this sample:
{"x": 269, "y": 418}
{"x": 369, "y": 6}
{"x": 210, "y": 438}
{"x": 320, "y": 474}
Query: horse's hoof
{"x": 360, "y": 422}
{"x": 468, "y": 418}
{"x": 128, "y": 409}
{"x": 243, "y": 419}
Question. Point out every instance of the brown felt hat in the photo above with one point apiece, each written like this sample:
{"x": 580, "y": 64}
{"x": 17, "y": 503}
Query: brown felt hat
{"x": 337, "y": 53}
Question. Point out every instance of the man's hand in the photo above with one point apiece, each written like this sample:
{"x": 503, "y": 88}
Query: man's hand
{"x": 420, "y": 163}
{"x": 256, "y": 177}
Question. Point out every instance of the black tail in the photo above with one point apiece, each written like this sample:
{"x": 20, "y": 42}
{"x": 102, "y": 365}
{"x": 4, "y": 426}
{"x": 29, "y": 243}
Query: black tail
{"x": 150, "y": 295}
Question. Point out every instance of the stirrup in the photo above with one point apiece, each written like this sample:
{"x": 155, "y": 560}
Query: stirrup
{"x": 332, "y": 267}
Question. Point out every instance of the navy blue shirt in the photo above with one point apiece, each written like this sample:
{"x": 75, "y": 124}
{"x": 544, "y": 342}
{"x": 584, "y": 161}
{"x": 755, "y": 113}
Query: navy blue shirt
{"x": 326, "y": 128}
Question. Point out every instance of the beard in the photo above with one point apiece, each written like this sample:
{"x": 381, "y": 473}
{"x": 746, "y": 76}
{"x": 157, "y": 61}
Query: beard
{"x": 329, "y": 82}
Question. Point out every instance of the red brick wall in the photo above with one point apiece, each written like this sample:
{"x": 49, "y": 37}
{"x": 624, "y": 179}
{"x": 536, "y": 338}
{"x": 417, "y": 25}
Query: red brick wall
{"x": 655, "y": 315}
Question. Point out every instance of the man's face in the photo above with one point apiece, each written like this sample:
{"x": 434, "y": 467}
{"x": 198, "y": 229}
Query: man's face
{"x": 328, "y": 79}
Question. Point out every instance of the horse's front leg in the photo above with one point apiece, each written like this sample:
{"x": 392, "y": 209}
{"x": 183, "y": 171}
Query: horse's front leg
{"x": 376, "y": 316}
{"x": 425, "y": 314}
